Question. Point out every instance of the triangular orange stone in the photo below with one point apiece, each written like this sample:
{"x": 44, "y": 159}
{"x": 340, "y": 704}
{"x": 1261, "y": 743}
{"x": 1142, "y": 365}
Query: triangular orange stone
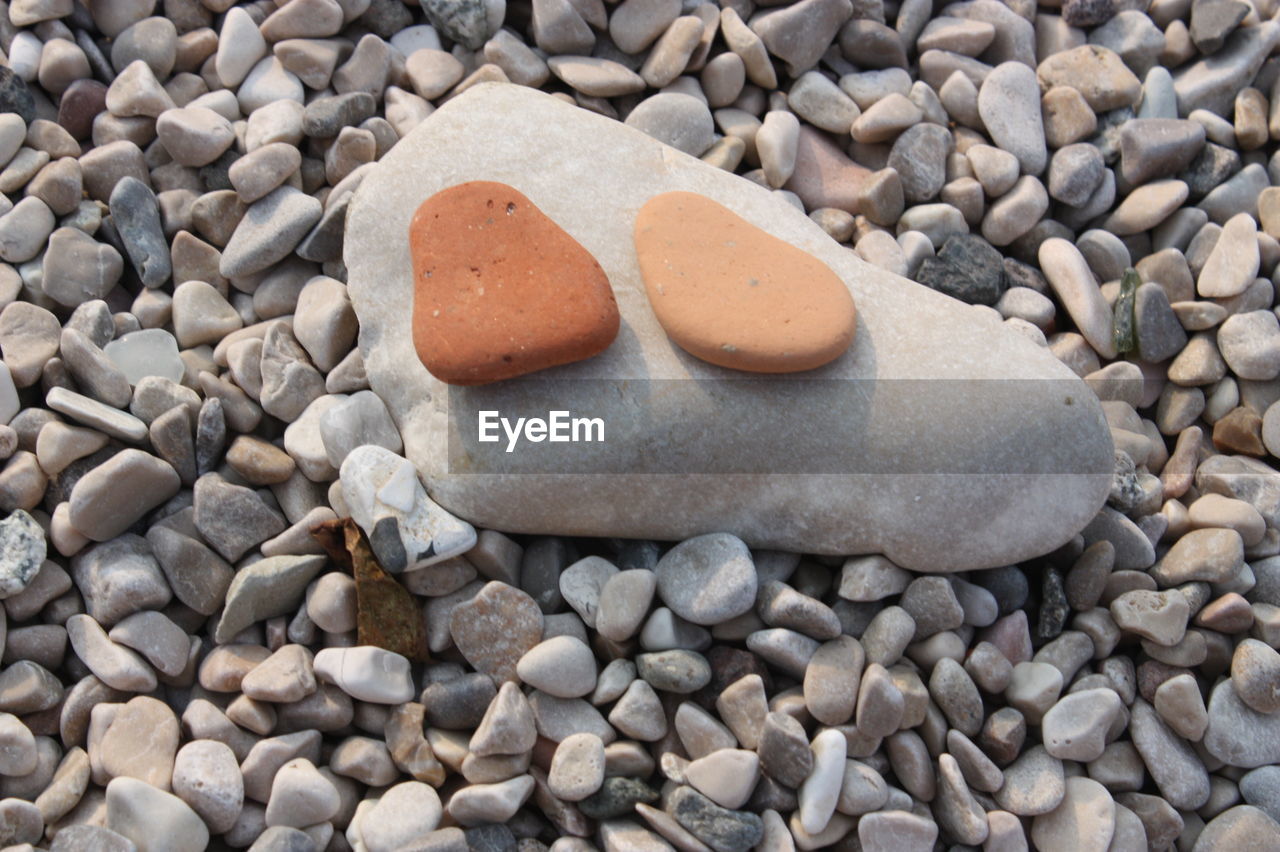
{"x": 731, "y": 294}
{"x": 500, "y": 290}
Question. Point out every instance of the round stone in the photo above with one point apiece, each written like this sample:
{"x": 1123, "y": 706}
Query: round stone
{"x": 473, "y": 320}
{"x": 562, "y": 666}
{"x": 709, "y": 579}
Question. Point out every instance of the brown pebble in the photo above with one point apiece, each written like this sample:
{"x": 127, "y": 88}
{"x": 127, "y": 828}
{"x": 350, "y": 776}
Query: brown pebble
{"x": 1240, "y": 431}
{"x": 500, "y": 290}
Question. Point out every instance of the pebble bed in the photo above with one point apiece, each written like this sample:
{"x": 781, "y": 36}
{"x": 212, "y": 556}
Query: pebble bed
{"x": 180, "y": 389}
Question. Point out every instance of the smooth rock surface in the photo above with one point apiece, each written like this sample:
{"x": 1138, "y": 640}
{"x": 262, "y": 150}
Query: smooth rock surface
{"x": 500, "y": 290}
{"x": 735, "y": 296}
{"x": 925, "y": 520}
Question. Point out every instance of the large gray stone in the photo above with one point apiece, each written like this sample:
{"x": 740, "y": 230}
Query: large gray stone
{"x": 1237, "y": 734}
{"x": 933, "y": 474}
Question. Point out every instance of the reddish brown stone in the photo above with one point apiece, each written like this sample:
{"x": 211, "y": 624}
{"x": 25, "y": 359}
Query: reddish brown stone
{"x": 79, "y": 105}
{"x": 731, "y": 294}
{"x": 1240, "y": 431}
{"x": 500, "y": 290}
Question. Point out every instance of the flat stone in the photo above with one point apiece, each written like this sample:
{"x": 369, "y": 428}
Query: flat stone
{"x": 1212, "y": 21}
{"x": 267, "y": 588}
{"x": 301, "y": 796}
{"x": 1076, "y": 727}
{"x": 151, "y": 634}
{"x": 480, "y": 804}
{"x": 78, "y": 268}
{"x": 1237, "y": 734}
{"x": 1158, "y": 616}
{"x": 708, "y": 579}
{"x": 638, "y": 712}
{"x": 1160, "y": 334}
{"x": 24, "y": 229}
{"x": 1237, "y": 828}
{"x": 109, "y": 499}
{"x": 466, "y": 22}
{"x": 481, "y": 313}
{"x": 29, "y": 337}
{"x": 677, "y": 670}
{"x": 497, "y": 627}
{"x": 824, "y": 176}
{"x": 681, "y": 121}
{"x": 801, "y": 33}
{"x": 1210, "y": 555}
{"x": 285, "y": 676}
{"x": 198, "y": 576}
{"x": 562, "y": 666}
{"x": 270, "y": 229}
{"x": 145, "y": 353}
{"x": 119, "y": 577}
{"x": 720, "y": 828}
{"x": 136, "y": 213}
{"x": 1073, "y": 281}
{"x": 1146, "y": 207}
{"x": 1233, "y": 263}
{"x": 231, "y": 518}
{"x": 507, "y": 725}
{"x": 194, "y": 136}
{"x": 1085, "y": 819}
{"x": 624, "y": 602}
{"x": 784, "y": 750}
{"x": 17, "y": 746}
{"x": 732, "y": 295}
{"x": 638, "y": 23}
{"x": 727, "y": 776}
{"x": 400, "y": 183}
{"x": 1172, "y": 764}
{"x": 290, "y": 382}
{"x": 207, "y": 777}
{"x": 1212, "y": 82}
{"x": 202, "y": 315}
{"x": 1033, "y": 784}
{"x": 152, "y": 818}
{"x": 887, "y": 830}
{"x": 597, "y": 78}
{"x": 1255, "y": 675}
{"x": 1158, "y": 147}
{"x": 140, "y": 742}
{"x": 919, "y": 157}
{"x": 403, "y": 815}
{"x": 1009, "y": 104}
{"x": 1250, "y": 344}
{"x": 1076, "y": 171}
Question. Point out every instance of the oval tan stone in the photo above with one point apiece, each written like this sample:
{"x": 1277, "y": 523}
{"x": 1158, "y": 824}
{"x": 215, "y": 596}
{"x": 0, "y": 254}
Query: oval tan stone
{"x": 731, "y": 294}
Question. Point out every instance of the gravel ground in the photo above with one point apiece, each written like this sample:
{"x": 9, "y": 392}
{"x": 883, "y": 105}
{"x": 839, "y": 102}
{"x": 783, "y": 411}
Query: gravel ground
{"x": 186, "y": 666}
